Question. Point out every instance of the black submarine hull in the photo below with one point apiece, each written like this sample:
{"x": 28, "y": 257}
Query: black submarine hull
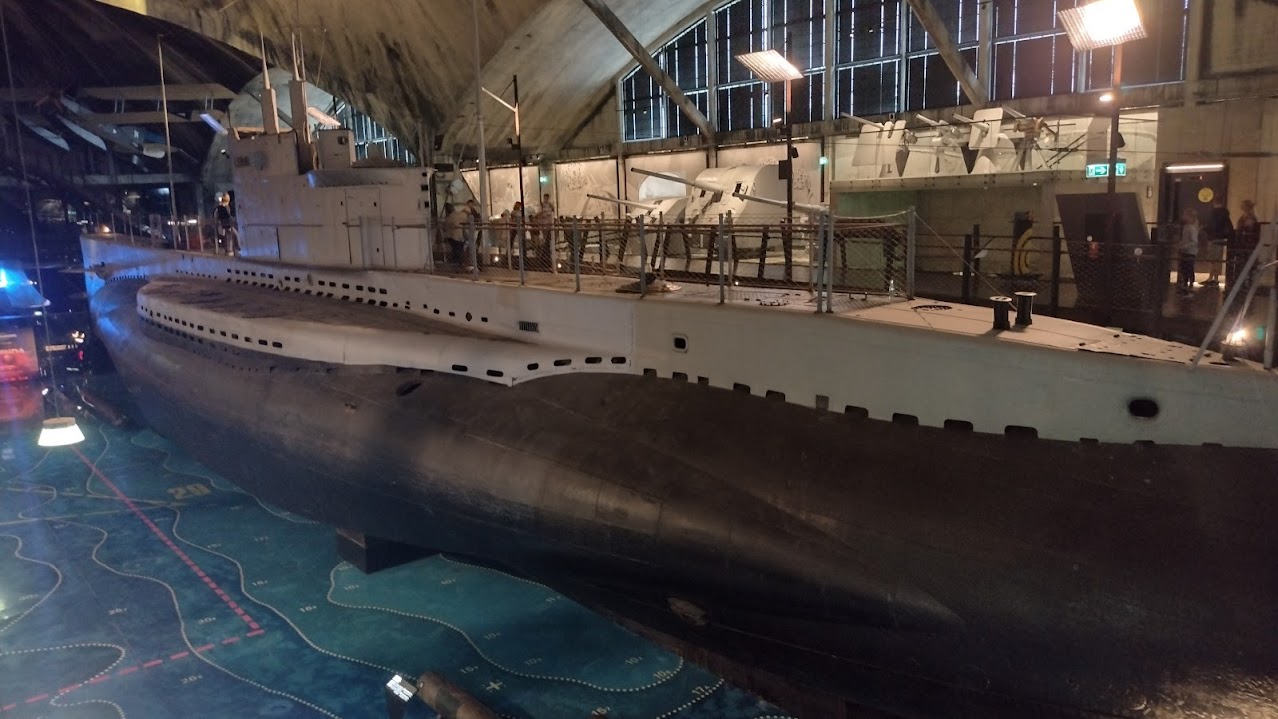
{"x": 918, "y": 571}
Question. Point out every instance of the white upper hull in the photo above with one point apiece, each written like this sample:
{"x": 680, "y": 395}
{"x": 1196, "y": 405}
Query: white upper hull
{"x": 905, "y": 361}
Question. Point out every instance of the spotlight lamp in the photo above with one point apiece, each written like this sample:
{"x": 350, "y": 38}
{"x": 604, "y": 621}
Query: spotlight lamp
{"x": 1102, "y": 23}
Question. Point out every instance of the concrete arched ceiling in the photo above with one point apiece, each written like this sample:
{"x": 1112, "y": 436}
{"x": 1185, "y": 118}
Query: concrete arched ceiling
{"x": 407, "y": 62}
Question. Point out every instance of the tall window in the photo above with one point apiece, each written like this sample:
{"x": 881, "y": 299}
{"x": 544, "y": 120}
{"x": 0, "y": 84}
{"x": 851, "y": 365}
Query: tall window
{"x": 868, "y": 56}
{"x": 647, "y": 112}
{"x": 884, "y": 60}
{"x": 369, "y": 134}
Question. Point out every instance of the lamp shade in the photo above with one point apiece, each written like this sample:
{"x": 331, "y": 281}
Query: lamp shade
{"x": 770, "y": 66}
{"x": 1103, "y": 23}
{"x": 60, "y": 432}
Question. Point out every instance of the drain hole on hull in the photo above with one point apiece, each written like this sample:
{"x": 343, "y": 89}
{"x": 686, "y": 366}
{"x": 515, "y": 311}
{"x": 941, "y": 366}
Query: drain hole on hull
{"x": 594, "y": 360}
{"x": 533, "y": 366}
{"x": 562, "y": 362}
{"x": 460, "y": 368}
{"x": 407, "y": 388}
{"x": 1143, "y": 408}
{"x": 618, "y": 360}
{"x": 495, "y": 373}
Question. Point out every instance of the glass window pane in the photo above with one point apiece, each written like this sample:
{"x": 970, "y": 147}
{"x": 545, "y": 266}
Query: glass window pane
{"x": 802, "y": 23}
{"x": 931, "y": 84}
{"x": 807, "y": 100}
{"x": 741, "y": 27}
{"x": 678, "y": 124}
{"x": 960, "y": 18}
{"x": 868, "y": 89}
{"x": 742, "y": 107}
{"x": 1161, "y": 56}
{"x": 641, "y": 99}
{"x": 867, "y": 30}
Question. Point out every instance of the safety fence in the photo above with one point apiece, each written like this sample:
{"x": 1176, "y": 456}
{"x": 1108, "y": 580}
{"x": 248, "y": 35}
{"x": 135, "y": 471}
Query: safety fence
{"x": 828, "y": 262}
{"x": 191, "y": 233}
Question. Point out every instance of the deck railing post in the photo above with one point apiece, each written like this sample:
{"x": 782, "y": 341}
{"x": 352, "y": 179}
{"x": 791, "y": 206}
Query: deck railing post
{"x": 576, "y": 253}
{"x": 643, "y": 258}
{"x": 1271, "y": 324}
{"x": 472, "y": 239}
{"x": 1055, "y": 300}
{"x": 829, "y": 262}
{"x": 968, "y": 251}
{"x": 603, "y": 247}
{"x": 519, "y": 230}
{"x": 719, "y": 246}
{"x": 910, "y": 250}
{"x": 819, "y": 265}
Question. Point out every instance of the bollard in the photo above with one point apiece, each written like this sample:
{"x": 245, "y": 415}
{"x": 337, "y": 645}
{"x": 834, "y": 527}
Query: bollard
{"x": 1002, "y": 312}
{"x": 1025, "y": 308}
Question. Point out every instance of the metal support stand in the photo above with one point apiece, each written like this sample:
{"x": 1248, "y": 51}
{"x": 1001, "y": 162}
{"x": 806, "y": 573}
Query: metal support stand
{"x": 576, "y": 253}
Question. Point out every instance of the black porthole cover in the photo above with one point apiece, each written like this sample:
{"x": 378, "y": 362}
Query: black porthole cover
{"x": 1143, "y": 408}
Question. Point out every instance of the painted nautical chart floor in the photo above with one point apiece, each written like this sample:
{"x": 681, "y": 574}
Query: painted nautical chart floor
{"x": 136, "y": 583}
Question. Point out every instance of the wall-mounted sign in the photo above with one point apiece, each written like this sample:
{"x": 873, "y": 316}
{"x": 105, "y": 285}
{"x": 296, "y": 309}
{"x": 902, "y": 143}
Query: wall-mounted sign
{"x": 1101, "y": 169}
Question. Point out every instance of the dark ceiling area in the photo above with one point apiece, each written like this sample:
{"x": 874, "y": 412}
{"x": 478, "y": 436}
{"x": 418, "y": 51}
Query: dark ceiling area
{"x": 85, "y": 99}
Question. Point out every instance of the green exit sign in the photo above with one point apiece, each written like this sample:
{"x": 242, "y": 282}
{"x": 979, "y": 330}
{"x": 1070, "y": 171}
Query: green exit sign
{"x": 1101, "y": 169}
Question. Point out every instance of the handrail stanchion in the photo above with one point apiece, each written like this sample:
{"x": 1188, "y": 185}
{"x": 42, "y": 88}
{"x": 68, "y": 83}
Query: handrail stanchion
{"x": 910, "y": 248}
{"x": 1055, "y": 300}
{"x": 576, "y": 253}
{"x": 603, "y": 247}
{"x": 643, "y": 258}
{"x": 519, "y": 229}
{"x": 829, "y": 262}
{"x": 472, "y": 239}
{"x": 969, "y": 250}
{"x": 1271, "y": 325}
{"x": 723, "y": 288}
{"x": 818, "y": 279}
{"x": 550, "y": 235}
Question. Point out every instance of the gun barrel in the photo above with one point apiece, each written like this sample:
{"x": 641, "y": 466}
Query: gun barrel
{"x": 707, "y": 186}
{"x": 800, "y": 206}
{"x": 623, "y": 203}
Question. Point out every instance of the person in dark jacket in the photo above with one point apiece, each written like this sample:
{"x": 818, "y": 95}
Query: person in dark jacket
{"x": 1220, "y": 230}
{"x": 1242, "y": 243}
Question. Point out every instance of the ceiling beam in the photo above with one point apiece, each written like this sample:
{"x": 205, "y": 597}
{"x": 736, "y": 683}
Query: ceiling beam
{"x": 649, "y": 64}
{"x": 972, "y": 86}
{"x": 192, "y": 92}
{"x": 7, "y": 182}
{"x": 151, "y": 117}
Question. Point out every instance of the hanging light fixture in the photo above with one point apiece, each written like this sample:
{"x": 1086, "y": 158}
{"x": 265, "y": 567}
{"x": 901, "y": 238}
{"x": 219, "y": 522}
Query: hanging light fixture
{"x": 57, "y": 431}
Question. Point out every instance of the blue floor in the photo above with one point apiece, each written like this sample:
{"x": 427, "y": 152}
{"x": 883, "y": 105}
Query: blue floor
{"x": 136, "y": 583}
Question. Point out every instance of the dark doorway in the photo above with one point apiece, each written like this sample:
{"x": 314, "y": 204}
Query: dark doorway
{"x": 1191, "y": 186}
